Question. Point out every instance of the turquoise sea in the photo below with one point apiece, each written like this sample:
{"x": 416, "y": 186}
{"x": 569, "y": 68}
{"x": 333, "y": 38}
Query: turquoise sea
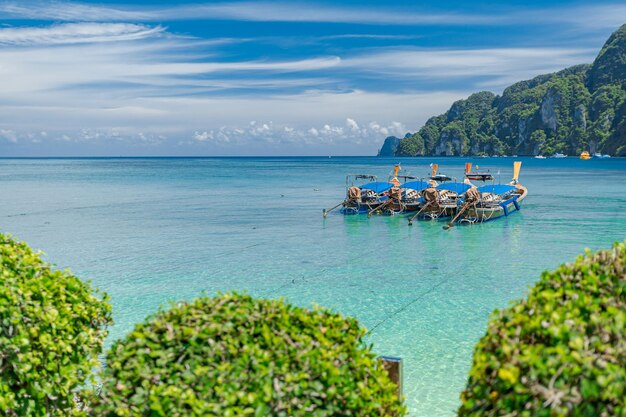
{"x": 153, "y": 230}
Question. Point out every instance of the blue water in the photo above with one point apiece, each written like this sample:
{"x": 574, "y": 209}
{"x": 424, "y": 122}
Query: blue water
{"x": 150, "y": 231}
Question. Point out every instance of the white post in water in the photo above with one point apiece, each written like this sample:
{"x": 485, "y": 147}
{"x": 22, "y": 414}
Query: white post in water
{"x": 393, "y": 366}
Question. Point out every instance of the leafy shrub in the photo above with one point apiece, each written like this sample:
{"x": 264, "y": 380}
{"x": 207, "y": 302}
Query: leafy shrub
{"x": 237, "y": 356}
{"x": 561, "y": 351}
{"x": 52, "y": 326}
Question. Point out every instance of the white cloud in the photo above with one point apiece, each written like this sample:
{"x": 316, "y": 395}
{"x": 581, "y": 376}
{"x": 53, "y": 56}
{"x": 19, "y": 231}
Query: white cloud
{"x": 70, "y": 11}
{"x": 398, "y": 129}
{"x": 269, "y": 133}
{"x": 592, "y": 16}
{"x": 9, "y": 135}
{"x": 500, "y": 66}
{"x": 352, "y": 124}
{"x": 142, "y": 87}
{"x": 76, "y": 33}
{"x": 316, "y": 123}
{"x": 134, "y": 68}
{"x": 203, "y": 136}
{"x": 243, "y": 10}
{"x": 368, "y": 36}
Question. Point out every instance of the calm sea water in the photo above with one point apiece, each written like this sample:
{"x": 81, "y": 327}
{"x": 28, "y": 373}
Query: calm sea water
{"x": 149, "y": 231}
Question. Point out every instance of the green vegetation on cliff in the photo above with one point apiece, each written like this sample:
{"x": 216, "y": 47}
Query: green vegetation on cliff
{"x": 576, "y": 109}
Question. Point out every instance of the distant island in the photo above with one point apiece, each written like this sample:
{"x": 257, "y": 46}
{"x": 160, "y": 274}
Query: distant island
{"x": 581, "y": 108}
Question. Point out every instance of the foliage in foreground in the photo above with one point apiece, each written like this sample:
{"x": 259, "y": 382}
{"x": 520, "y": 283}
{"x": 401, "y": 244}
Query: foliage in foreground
{"x": 52, "y": 327}
{"x": 237, "y": 356}
{"x": 561, "y": 351}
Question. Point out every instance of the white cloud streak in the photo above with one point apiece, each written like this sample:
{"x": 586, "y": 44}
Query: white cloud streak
{"x": 593, "y": 16}
{"x": 142, "y": 91}
{"x": 348, "y": 133}
{"x": 498, "y": 66}
{"x": 245, "y": 11}
{"x": 76, "y": 33}
{"x": 317, "y": 122}
{"x": 118, "y": 67}
{"x": 70, "y": 11}
{"x": 142, "y": 86}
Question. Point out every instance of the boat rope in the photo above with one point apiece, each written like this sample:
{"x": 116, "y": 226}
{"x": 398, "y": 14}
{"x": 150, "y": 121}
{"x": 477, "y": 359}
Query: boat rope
{"x": 472, "y": 197}
{"x": 388, "y": 317}
{"x": 386, "y": 203}
{"x": 300, "y": 278}
{"x": 418, "y": 213}
{"x": 237, "y": 250}
{"x": 406, "y": 305}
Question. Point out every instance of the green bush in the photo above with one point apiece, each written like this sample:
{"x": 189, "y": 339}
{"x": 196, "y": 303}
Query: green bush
{"x": 52, "y": 326}
{"x": 238, "y": 356}
{"x": 561, "y": 351}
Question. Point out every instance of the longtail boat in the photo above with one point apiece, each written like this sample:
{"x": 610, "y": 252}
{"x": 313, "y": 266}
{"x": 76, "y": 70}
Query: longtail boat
{"x": 363, "y": 193}
{"x": 448, "y": 194}
{"x": 477, "y": 175}
{"x": 440, "y": 202}
{"x": 408, "y": 196}
{"x": 365, "y": 197}
{"x": 413, "y": 191}
{"x": 496, "y": 201}
{"x": 437, "y": 178}
{"x": 490, "y": 202}
{"x": 404, "y": 198}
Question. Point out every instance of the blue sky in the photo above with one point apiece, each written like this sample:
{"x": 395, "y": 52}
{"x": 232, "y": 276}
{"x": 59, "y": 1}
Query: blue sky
{"x": 266, "y": 77}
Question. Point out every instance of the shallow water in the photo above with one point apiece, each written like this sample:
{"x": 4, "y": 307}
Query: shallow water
{"x": 149, "y": 231}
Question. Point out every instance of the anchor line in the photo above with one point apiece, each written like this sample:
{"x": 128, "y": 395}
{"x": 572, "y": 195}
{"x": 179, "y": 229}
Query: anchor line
{"x": 406, "y": 306}
{"x": 328, "y": 268}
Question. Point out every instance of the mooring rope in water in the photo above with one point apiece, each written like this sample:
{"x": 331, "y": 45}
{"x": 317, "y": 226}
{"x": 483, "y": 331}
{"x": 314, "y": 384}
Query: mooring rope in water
{"x": 268, "y": 241}
{"x": 386, "y": 318}
{"x": 328, "y": 268}
{"x": 405, "y": 306}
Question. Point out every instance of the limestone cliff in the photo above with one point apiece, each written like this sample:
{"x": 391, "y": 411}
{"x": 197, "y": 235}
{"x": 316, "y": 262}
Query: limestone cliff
{"x": 578, "y": 108}
{"x": 389, "y": 146}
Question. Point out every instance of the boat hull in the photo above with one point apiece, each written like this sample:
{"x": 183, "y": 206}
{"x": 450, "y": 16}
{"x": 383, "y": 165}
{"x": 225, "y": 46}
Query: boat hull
{"x": 359, "y": 208}
{"x": 503, "y": 209}
{"x": 440, "y": 213}
{"x": 395, "y": 208}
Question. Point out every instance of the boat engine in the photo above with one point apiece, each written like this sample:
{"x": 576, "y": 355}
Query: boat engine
{"x": 472, "y": 195}
{"x": 431, "y": 195}
{"x": 354, "y": 194}
{"x": 395, "y": 194}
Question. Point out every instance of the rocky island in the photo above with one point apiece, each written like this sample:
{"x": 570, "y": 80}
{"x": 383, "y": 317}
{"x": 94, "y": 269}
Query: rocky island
{"x": 581, "y": 108}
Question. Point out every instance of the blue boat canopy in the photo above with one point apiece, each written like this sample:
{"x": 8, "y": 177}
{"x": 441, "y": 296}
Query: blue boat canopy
{"x": 457, "y": 187}
{"x": 377, "y": 187}
{"x": 415, "y": 185}
{"x": 496, "y": 189}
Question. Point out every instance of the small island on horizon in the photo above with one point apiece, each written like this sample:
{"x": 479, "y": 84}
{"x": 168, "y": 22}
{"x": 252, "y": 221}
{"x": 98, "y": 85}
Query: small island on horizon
{"x": 580, "y": 108}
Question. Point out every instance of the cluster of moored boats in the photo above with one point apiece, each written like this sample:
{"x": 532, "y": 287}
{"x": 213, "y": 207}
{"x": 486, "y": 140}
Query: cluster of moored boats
{"x": 437, "y": 197}
{"x": 585, "y": 156}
